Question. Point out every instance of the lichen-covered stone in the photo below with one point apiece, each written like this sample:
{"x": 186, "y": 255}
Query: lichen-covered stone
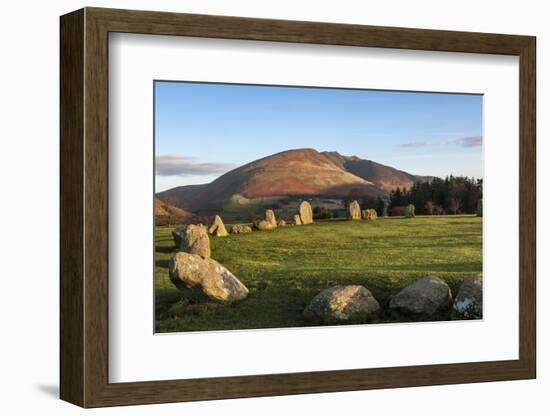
{"x": 192, "y": 239}
{"x": 343, "y": 304}
{"x": 354, "y": 210}
{"x": 468, "y": 303}
{"x": 264, "y": 225}
{"x": 240, "y": 229}
{"x": 369, "y": 214}
{"x": 427, "y": 298}
{"x": 270, "y": 217}
{"x": 190, "y": 271}
{"x": 218, "y": 228}
{"x": 306, "y": 213}
{"x": 409, "y": 211}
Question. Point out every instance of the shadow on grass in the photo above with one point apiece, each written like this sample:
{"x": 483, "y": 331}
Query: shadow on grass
{"x": 162, "y": 263}
{"x": 165, "y": 249}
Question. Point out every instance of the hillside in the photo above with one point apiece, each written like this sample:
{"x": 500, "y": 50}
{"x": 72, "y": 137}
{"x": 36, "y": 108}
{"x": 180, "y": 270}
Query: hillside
{"x": 294, "y": 173}
{"x": 166, "y": 213}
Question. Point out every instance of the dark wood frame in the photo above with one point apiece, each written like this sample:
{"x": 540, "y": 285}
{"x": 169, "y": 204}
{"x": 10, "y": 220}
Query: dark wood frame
{"x": 84, "y": 209}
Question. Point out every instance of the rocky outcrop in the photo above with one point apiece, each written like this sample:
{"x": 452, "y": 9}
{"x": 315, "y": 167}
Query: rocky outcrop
{"x": 343, "y": 304}
{"x": 190, "y": 272}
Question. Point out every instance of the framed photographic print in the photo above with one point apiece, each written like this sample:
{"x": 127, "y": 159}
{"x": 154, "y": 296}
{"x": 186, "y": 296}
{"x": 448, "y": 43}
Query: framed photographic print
{"x": 255, "y": 207}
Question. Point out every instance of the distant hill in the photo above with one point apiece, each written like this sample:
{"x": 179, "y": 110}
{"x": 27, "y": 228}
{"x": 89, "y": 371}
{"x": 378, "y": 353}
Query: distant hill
{"x": 166, "y": 214}
{"x": 384, "y": 177}
{"x": 299, "y": 173}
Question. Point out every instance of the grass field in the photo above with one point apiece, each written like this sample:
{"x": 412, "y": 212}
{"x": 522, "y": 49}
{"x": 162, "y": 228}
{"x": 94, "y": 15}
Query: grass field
{"x": 286, "y": 267}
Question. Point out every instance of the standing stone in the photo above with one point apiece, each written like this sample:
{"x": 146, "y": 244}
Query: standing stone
{"x": 270, "y": 217}
{"x": 409, "y": 211}
{"x": 240, "y": 229}
{"x": 264, "y": 225}
{"x": 354, "y": 210}
{"x": 369, "y": 214}
{"x": 217, "y": 228}
{"x": 479, "y": 210}
{"x": 306, "y": 213}
{"x": 192, "y": 239}
{"x": 468, "y": 303}
{"x": 427, "y": 298}
{"x": 189, "y": 272}
{"x": 281, "y": 223}
{"x": 343, "y": 304}
{"x": 297, "y": 220}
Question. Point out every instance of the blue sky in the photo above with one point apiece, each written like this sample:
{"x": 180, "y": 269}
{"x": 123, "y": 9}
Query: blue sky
{"x": 203, "y": 130}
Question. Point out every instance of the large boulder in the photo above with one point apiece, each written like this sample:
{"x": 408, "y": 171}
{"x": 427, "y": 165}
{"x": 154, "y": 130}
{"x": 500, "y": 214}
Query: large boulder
{"x": 190, "y": 272}
{"x": 297, "y": 220}
{"x": 468, "y": 303}
{"x": 354, "y": 210}
{"x": 306, "y": 213}
{"x": 369, "y": 214}
{"x": 409, "y": 211}
{"x": 240, "y": 229}
{"x": 281, "y": 223}
{"x": 426, "y": 298}
{"x": 264, "y": 225}
{"x": 270, "y": 217}
{"x": 192, "y": 239}
{"x": 218, "y": 228}
{"x": 343, "y": 304}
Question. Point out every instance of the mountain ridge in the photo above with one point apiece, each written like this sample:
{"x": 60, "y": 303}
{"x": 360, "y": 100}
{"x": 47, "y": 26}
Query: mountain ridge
{"x": 298, "y": 173}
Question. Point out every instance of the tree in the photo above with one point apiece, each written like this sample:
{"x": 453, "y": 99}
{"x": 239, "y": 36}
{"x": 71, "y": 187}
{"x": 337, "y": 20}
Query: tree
{"x": 380, "y": 205}
{"x": 454, "y": 205}
{"x": 455, "y": 194}
{"x": 321, "y": 213}
{"x": 397, "y": 198}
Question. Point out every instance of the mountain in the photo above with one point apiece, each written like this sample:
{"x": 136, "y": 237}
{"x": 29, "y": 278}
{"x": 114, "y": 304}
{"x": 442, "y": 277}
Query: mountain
{"x": 384, "y": 177}
{"x": 298, "y": 173}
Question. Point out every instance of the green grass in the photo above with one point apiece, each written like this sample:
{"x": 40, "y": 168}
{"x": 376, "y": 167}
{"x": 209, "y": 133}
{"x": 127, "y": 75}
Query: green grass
{"x": 286, "y": 267}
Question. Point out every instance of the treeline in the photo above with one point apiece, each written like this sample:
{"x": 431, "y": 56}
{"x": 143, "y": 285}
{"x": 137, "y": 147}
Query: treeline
{"x": 452, "y": 195}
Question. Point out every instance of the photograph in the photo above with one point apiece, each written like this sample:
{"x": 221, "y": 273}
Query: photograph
{"x": 302, "y": 206}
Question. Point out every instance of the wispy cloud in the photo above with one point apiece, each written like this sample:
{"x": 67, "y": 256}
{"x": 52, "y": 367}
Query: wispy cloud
{"x": 172, "y": 165}
{"x": 417, "y": 144}
{"x": 471, "y": 141}
{"x": 474, "y": 141}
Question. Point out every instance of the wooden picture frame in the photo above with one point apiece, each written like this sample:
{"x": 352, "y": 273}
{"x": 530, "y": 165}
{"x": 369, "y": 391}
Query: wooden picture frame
{"x": 84, "y": 207}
